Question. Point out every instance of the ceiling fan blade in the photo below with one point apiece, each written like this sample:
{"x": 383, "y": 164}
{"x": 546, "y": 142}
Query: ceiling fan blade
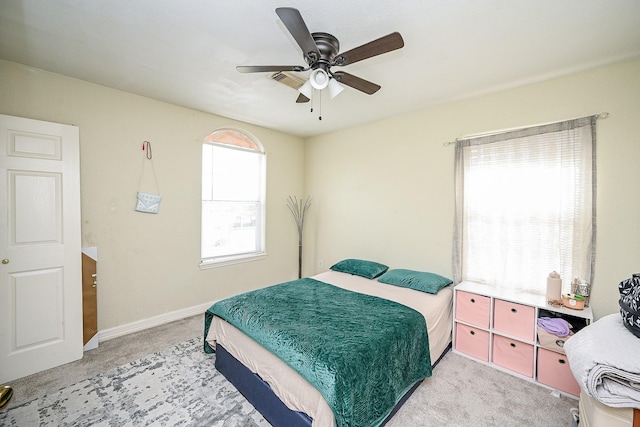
{"x": 292, "y": 19}
{"x": 356, "y": 82}
{"x": 379, "y": 46}
{"x": 267, "y": 68}
{"x": 301, "y": 99}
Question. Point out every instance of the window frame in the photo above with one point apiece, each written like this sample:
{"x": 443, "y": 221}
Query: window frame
{"x": 240, "y": 257}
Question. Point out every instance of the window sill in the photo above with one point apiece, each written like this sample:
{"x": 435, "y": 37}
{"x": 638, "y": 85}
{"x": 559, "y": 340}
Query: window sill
{"x": 231, "y": 260}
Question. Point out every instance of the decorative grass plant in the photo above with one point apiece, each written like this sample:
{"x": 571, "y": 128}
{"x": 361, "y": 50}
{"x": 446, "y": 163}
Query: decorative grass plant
{"x": 298, "y": 208}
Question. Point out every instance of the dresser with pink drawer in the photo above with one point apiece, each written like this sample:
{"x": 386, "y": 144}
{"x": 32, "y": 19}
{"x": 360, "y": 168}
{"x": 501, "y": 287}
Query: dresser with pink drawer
{"x": 498, "y": 327}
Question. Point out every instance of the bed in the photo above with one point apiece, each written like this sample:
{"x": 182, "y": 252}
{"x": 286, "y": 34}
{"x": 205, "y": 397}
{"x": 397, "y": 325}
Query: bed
{"x": 287, "y": 394}
{"x": 594, "y": 413}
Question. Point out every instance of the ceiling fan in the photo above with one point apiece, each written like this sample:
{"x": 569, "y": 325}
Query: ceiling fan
{"x": 320, "y": 51}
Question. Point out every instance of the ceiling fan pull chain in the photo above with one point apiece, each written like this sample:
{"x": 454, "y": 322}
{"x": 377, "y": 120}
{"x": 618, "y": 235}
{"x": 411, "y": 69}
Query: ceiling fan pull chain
{"x": 320, "y": 105}
{"x": 312, "y": 96}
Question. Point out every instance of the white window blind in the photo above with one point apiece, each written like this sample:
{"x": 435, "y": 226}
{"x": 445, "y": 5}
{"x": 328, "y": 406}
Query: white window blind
{"x": 525, "y": 206}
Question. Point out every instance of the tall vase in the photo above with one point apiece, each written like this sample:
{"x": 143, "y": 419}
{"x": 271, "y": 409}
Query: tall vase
{"x": 300, "y": 261}
{"x": 298, "y": 209}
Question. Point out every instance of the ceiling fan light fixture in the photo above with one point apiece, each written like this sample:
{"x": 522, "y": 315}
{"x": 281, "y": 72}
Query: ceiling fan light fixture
{"x": 321, "y": 51}
{"x": 319, "y": 79}
{"x": 306, "y": 89}
{"x": 335, "y": 88}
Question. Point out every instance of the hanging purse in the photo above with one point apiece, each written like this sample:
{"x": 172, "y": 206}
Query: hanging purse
{"x": 148, "y": 202}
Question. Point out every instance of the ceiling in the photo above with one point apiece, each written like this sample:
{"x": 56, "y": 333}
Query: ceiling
{"x": 185, "y": 52}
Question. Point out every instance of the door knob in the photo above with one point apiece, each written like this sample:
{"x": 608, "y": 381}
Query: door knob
{"x": 5, "y": 261}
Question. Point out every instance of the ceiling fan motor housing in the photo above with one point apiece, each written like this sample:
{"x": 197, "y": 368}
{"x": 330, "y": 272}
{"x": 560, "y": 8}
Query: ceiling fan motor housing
{"x": 328, "y": 47}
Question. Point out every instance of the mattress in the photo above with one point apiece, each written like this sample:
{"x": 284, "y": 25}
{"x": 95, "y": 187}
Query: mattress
{"x": 596, "y": 414}
{"x": 293, "y": 390}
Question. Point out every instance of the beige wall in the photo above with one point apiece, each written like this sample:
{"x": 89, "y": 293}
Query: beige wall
{"x": 148, "y": 264}
{"x": 384, "y": 191}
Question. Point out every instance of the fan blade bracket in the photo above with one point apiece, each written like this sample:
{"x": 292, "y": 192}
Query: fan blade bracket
{"x": 311, "y": 58}
{"x": 339, "y": 61}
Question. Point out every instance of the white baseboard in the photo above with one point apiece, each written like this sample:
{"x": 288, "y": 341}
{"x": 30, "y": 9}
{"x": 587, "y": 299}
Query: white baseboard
{"x": 141, "y": 325}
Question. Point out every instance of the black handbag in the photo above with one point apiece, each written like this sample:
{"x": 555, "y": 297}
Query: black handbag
{"x": 630, "y": 303}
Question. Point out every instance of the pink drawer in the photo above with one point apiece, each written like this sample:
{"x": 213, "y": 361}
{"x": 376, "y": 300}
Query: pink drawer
{"x": 472, "y": 308}
{"x": 514, "y": 319}
{"x": 513, "y": 355}
{"x": 554, "y": 371}
{"x": 472, "y": 341}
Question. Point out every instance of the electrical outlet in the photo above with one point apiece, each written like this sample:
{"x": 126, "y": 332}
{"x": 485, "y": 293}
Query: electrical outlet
{"x": 320, "y": 264}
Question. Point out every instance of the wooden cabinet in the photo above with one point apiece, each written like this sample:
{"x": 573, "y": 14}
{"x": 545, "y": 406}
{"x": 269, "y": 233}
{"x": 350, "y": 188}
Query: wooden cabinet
{"x": 89, "y": 298}
{"x": 498, "y": 327}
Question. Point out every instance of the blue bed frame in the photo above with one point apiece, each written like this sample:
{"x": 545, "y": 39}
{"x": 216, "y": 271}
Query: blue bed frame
{"x": 260, "y": 395}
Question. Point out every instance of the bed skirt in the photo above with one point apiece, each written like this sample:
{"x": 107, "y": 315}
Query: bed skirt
{"x": 259, "y": 394}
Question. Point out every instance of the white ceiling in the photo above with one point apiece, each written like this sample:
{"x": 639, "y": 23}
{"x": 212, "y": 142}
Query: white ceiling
{"x": 185, "y": 52}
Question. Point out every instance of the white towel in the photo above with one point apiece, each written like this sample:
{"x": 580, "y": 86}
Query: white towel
{"x": 605, "y": 359}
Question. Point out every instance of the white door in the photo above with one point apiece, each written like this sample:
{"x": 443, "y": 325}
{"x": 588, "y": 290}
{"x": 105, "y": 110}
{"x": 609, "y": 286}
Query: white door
{"x": 40, "y": 269}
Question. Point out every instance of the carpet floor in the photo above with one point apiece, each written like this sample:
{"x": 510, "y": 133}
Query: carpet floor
{"x": 178, "y": 386}
{"x": 174, "y": 387}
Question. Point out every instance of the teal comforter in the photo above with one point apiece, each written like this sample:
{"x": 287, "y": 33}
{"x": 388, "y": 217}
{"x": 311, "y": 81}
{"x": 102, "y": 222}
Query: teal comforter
{"x": 361, "y": 352}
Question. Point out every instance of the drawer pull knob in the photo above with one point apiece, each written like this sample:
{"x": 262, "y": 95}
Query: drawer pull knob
{"x": 514, "y": 310}
{"x": 513, "y": 345}
{"x": 473, "y": 300}
{"x": 472, "y": 332}
{"x": 562, "y": 361}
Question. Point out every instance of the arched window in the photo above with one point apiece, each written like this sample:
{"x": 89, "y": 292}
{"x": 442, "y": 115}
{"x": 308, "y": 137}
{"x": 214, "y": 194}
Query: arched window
{"x": 233, "y": 195}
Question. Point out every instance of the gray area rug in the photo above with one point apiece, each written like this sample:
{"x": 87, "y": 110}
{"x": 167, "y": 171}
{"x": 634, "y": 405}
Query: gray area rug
{"x": 179, "y": 386}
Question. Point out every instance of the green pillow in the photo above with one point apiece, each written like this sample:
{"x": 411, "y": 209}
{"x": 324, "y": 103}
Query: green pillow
{"x": 359, "y": 267}
{"x": 417, "y": 280}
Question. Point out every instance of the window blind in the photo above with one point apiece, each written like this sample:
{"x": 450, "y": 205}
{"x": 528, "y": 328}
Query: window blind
{"x": 525, "y": 205}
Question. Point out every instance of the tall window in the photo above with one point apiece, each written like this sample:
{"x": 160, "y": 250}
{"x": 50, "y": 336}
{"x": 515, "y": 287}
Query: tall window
{"x": 525, "y": 206}
{"x": 233, "y": 194}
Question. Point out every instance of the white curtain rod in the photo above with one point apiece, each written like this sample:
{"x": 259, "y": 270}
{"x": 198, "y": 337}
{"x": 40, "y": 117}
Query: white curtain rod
{"x": 602, "y": 115}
